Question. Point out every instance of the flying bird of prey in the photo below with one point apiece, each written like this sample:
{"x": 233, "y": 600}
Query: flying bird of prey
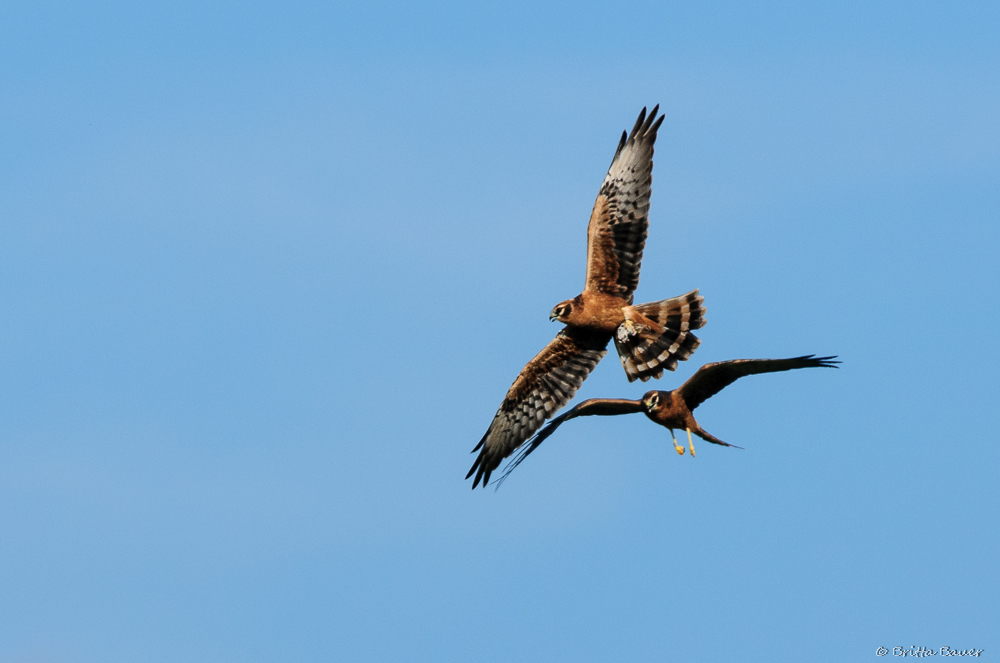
{"x": 673, "y": 409}
{"x": 649, "y": 337}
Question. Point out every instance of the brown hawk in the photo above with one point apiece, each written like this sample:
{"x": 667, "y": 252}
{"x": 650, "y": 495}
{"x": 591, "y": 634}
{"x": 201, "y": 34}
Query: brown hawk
{"x": 672, "y": 409}
{"x": 649, "y": 337}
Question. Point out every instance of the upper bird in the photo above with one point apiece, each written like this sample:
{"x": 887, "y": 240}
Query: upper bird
{"x": 649, "y": 337}
{"x": 673, "y": 409}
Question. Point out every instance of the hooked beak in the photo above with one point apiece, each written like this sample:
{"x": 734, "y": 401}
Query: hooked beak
{"x": 552, "y": 316}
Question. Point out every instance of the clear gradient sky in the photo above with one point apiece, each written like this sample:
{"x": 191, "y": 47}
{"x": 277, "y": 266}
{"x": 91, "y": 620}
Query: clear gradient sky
{"x": 268, "y": 269}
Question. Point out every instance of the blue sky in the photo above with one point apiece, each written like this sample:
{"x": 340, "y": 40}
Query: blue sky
{"x": 268, "y": 270}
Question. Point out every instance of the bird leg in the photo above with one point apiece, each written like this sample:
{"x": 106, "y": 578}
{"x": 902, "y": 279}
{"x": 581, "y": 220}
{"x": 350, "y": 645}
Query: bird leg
{"x": 690, "y": 442}
{"x": 678, "y": 448}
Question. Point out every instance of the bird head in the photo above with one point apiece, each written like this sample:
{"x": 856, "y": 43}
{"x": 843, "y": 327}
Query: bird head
{"x": 561, "y": 311}
{"x": 651, "y": 399}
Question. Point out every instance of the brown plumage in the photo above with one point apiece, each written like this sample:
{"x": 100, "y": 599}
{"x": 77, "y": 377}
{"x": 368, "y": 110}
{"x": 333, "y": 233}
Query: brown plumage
{"x": 649, "y": 337}
{"x": 673, "y": 409}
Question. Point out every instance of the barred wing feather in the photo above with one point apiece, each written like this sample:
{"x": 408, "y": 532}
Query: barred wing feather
{"x": 616, "y": 235}
{"x": 545, "y": 385}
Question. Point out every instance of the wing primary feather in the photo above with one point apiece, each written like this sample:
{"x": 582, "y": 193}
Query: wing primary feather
{"x": 616, "y": 235}
{"x": 621, "y": 146}
{"x": 544, "y": 385}
{"x": 639, "y": 122}
{"x": 590, "y": 407}
{"x": 656, "y": 125}
{"x": 710, "y": 379}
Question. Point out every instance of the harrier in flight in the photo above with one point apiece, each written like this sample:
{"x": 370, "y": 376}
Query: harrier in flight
{"x": 672, "y": 409}
{"x": 649, "y": 337}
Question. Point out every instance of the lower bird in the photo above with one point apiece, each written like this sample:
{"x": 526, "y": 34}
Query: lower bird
{"x": 673, "y": 409}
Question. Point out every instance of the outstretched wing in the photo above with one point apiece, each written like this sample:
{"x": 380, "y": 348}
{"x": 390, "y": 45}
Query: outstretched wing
{"x": 616, "y": 235}
{"x": 713, "y": 378}
{"x": 547, "y": 383}
{"x": 593, "y": 406}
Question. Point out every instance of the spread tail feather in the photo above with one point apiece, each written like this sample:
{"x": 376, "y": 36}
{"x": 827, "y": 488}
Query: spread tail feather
{"x": 657, "y": 335}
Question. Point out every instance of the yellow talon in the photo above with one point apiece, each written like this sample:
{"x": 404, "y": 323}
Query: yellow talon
{"x": 690, "y": 442}
{"x": 677, "y": 447}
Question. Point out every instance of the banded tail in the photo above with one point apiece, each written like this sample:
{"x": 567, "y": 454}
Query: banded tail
{"x": 657, "y": 335}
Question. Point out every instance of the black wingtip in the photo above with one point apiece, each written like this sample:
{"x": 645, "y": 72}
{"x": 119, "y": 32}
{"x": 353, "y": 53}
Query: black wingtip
{"x": 638, "y": 124}
{"x": 650, "y": 119}
{"x": 646, "y": 125}
{"x": 656, "y": 125}
{"x": 621, "y": 146}
{"x": 475, "y": 466}
{"x": 483, "y": 440}
{"x": 822, "y": 362}
{"x": 482, "y": 473}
